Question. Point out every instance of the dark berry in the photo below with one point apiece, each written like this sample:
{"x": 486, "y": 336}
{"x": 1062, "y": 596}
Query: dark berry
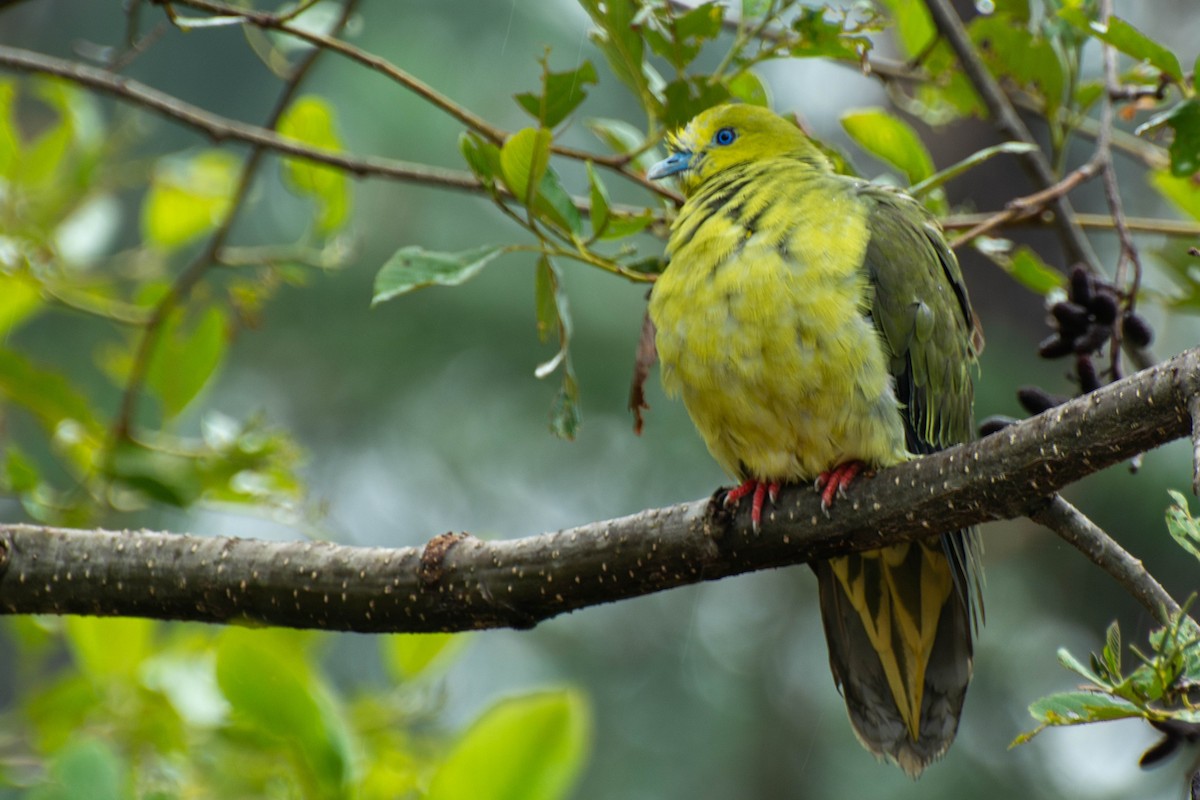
{"x": 1136, "y": 330}
{"x": 1094, "y": 339}
{"x": 1089, "y": 381}
{"x": 1081, "y": 285}
{"x": 1055, "y": 346}
{"x": 1035, "y": 399}
{"x": 1072, "y": 317}
{"x": 994, "y": 424}
{"x": 1104, "y": 306}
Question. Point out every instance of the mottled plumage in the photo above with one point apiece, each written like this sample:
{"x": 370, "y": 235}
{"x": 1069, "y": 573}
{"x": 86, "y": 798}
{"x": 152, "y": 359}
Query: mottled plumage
{"x": 809, "y": 320}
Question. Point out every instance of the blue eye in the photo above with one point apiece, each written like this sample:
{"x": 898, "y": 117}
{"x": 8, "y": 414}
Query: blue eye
{"x": 725, "y": 136}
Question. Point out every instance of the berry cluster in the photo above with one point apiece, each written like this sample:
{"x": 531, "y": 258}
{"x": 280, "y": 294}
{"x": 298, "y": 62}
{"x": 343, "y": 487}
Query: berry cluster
{"x": 1083, "y": 324}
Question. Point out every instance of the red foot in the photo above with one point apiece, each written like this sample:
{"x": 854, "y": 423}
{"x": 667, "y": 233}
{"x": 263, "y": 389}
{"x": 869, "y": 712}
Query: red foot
{"x": 833, "y": 483}
{"x": 761, "y": 492}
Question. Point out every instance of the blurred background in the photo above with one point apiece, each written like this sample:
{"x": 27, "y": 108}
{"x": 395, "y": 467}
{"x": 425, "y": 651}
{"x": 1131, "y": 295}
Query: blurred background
{"x": 423, "y": 416}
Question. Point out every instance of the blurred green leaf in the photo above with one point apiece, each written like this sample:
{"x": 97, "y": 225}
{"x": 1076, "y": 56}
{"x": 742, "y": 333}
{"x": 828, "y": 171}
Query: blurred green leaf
{"x": 545, "y": 289}
{"x": 681, "y": 34}
{"x": 271, "y": 690}
{"x": 86, "y": 769}
{"x": 688, "y": 96}
{"x": 829, "y": 32}
{"x": 110, "y": 647}
{"x": 1184, "y": 120}
{"x": 530, "y": 747}
{"x": 187, "y": 357}
{"x": 622, "y": 225}
{"x": 618, "y": 37}
{"x": 598, "y": 195}
{"x": 410, "y": 655}
{"x": 20, "y": 296}
{"x": 565, "y": 416}
{"x": 10, "y": 142}
{"x": 20, "y": 474}
{"x": 1183, "y": 527}
{"x": 1184, "y": 192}
{"x": 912, "y": 23}
{"x": 481, "y": 156}
{"x": 49, "y": 396}
{"x": 562, "y": 92}
{"x": 748, "y": 88}
{"x": 415, "y": 268}
{"x": 1128, "y": 39}
{"x": 1024, "y": 265}
{"x": 523, "y": 161}
{"x": 188, "y": 197}
{"x": 310, "y": 119}
{"x": 1012, "y": 50}
{"x": 891, "y": 140}
{"x": 171, "y": 478}
{"x": 618, "y": 135}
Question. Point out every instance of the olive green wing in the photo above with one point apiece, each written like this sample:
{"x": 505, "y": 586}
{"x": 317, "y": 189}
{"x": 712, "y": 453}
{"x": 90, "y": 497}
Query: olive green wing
{"x": 899, "y": 620}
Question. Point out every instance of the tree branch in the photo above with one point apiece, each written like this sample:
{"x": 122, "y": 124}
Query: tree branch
{"x": 1102, "y": 550}
{"x": 1006, "y": 118}
{"x": 457, "y": 582}
{"x": 221, "y": 129}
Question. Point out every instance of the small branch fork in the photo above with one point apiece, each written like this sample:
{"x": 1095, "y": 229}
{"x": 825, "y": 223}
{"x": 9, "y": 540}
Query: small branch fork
{"x": 457, "y": 582}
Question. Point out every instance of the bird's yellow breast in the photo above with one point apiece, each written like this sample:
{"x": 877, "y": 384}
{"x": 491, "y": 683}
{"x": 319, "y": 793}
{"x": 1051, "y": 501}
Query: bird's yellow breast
{"x": 763, "y": 325}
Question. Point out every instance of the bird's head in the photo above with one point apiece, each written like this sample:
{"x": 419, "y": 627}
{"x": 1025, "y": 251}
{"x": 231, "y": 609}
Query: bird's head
{"x": 728, "y": 136}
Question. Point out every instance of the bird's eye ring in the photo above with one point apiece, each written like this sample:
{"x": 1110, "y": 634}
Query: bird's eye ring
{"x": 725, "y": 136}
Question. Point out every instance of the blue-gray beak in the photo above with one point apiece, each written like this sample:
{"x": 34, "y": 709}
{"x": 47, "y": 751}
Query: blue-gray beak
{"x": 676, "y": 162}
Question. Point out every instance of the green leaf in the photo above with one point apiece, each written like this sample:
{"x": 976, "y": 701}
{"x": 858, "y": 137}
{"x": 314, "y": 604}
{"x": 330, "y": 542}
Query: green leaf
{"x": 20, "y": 296}
{"x": 188, "y": 197}
{"x": 311, "y": 120}
{"x": 622, "y": 138}
{"x": 913, "y": 25}
{"x": 1129, "y": 40}
{"x": 618, "y": 36}
{"x": 687, "y": 97}
{"x": 891, "y": 140}
{"x": 523, "y": 160}
{"x": 530, "y": 747}
{"x": 545, "y": 300}
{"x": 1184, "y": 119}
{"x": 481, "y": 156}
{"x": 272, "y": 691}
{"x": 410, "y": 655}
{"x": 1013, "y": 51}
{"x": 171, "y": 478}
{"x": 623, "y": 224}
{"x": 555, "y": 206}
{"x": 822, "y": 32}
{"x": 748, "y": 88}
{"x": 186, "y": 358}
{"x": 10, "y": 142}
{"x": 598, "y": 194}
{"x": 49, "y": 396}
{"x": 1183, "y": 527}
{"x": 85, "y": 768}
{"x": 110, "y": 647}
{"x": 1076, "y": 708}
{"x": 415, "y": 268}
{"x": 20, "y": 475}
{"x": 1024, "y": 265}
{"x": 562, "y": 92}
{"x": 682, "y": 35}
{"x": 1070, "y": 662}
{"x": 564, "y": 412}
{"x": 1184, "y": 192}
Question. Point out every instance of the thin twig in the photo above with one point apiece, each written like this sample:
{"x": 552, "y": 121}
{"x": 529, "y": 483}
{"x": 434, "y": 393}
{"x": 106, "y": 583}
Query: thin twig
{"x": 1112, "y": 191}
{"x": 1165, "y": 227}
{"x": 208, "y": 256}
{"x": 617, "y": 163}
{"x": 1030, "y": 205}
{"x": 1088, "y": 538}
{"x": 1005, "y": 117}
